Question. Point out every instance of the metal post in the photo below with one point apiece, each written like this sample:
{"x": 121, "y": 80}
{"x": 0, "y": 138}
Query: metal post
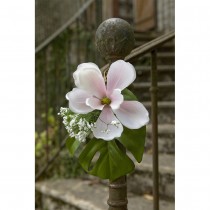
{"x": 98, "y": 20}
{"x": 154, "y": 90}
{"x": 115, "y": 40}
{"x": 47, "y": 63}
{"x": 118, "y": 194}
{"x": 78, "y": 39}
{"x": 98, "y": 12}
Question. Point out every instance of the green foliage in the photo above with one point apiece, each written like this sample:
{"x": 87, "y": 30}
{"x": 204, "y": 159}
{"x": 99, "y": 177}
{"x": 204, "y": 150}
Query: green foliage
{"x": 72, "y": 145}
{"x": 41, "y": 137}
{"x": 67, "y": 167}
{"x": 53, "y": 79}
{"x": 134, "y": 141}
{"x": 63, "y": 166}
{"x": 128, "y": 95}
{"x": 111, "y": 163}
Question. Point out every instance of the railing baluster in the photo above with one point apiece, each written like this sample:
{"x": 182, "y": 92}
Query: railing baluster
{"x": 47, "y": 51}
{"x": 78, "y": 39}
{"x": 154, "y": 90}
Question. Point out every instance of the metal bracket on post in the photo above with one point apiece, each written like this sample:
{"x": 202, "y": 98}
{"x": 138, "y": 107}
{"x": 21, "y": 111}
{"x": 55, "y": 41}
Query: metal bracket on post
{"x": 114, "y": 40}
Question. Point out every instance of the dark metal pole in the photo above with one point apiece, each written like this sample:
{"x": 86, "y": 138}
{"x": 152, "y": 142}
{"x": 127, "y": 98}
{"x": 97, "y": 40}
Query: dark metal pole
{"x": 47, "y": 64}
{"x": 98, "y": 12}
{"x": 154, "y": 90}
{"x": 98, "y": 20}
{"x": 118, "y": 191}
{"x": 115, "y": 40}
{"x": 118, "y": 194}
{"x": 78, "y": 39}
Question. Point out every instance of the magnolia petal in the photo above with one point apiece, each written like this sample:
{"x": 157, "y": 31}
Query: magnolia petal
{"x": 92, "y": 82}
{"x": 77, "y": 101}
{"x": 82, "y": 68}
{"x": 132, "y": 114}
{"x": 120, "y": 75}
{"x": 94, "y": 103}
{"x": 117, "y": 98}
{"x": 104, "y": 129}
{"x": 89, "y": 65}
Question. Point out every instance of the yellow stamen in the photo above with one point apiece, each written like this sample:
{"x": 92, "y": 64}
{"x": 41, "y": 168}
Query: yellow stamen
{"x": 105, "y": 101}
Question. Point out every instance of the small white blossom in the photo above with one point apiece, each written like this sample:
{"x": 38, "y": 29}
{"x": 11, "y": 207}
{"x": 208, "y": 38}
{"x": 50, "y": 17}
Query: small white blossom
{"x": 106, "y": 131}
{"x": 115, "y": 123}
{"x": 77, "y": 125}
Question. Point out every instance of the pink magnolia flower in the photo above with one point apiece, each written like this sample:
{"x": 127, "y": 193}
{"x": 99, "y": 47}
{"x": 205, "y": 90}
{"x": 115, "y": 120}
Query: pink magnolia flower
{"x": 93, "y": 94}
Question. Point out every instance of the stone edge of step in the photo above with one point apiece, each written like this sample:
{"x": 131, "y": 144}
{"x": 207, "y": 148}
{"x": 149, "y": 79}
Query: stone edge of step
{"x": 166, "y": 164}
{"x": 84, "y": 204}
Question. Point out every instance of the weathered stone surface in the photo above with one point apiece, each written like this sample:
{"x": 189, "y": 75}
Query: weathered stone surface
{"x": 50, "y": 203}
{"x": 166, "y": 138}
{"x": 140, "y": 181}
{"x": 114, "y": 39}
{"x": 75, "y": 194}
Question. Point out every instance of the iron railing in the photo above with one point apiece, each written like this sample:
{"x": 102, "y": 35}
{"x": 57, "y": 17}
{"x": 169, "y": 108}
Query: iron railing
{"x": 56, "y": 58}
{"x": 77, "y": 9}
{"x": 136, "y": 53}
{"x": 150, "y": 47}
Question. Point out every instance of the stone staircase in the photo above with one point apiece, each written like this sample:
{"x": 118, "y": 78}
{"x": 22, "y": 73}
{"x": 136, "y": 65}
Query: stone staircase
{"x": 91, "y": 193}
{"x": 166, "y": 119}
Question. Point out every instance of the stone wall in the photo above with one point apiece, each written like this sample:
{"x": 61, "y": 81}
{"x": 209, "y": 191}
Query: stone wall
{"x": 165, "y": 15}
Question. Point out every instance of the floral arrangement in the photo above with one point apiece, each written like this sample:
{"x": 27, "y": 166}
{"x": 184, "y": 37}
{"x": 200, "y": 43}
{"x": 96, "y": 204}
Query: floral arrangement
{"x": 102, "y": 116}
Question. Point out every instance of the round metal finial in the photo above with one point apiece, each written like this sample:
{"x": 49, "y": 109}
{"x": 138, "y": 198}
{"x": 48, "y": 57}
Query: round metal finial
{"x": 114, "y": 39}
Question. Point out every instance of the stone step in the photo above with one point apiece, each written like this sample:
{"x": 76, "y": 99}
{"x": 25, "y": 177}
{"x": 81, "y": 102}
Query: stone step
{"x": 162, "y": 77}
{"x": 140, "y": 182}
{"x": 166, "y": 139}
{"x": 161, "y": 104}
{"x": 163, "y": 95}
{"x": 163, "y": 58}
{"x": 166, "y": 111}
{"x": 161, "y": 68}
{"x": 166, "y": 145}
{"x": 162, "y": 55}
{"x": 168, "y": 46}
{"x": 146, "y": 85}
{"x": 166, "y": 90}
{"x": 164, "y": 73}
{"x": 146, "y": 36}
{"x": 77, "y": 194}
{"x": 162, "y": 129}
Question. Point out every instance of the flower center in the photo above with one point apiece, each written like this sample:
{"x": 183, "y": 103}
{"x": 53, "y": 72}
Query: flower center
{"x": 106, "y": 101}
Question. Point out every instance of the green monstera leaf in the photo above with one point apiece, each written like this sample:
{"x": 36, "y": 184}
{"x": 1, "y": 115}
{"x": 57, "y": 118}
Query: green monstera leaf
{"x": 111, "y": 163}
{"x": 133, "y": 141}
{"x": 128, "y": 95}
{"x": 72, "y": 144}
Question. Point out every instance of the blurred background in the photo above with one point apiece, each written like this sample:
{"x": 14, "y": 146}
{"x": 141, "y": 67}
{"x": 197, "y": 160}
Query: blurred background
{"x": 64, "y": 37}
